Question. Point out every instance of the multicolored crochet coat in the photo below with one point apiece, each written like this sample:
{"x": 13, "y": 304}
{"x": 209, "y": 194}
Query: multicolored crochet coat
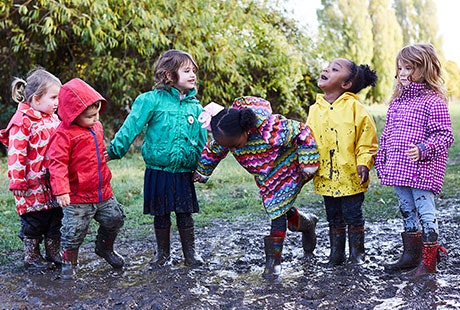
{"x": 279, "y": 153}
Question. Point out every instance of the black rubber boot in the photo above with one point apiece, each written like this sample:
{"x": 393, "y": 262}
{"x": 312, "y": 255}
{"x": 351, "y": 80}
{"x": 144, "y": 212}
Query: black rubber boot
{"x": 412, "y": 252}
{"x": 163, "y": 239}
{"x": 69, "y": 264}
{"x": 32, "y": 257}
{"x": 187, "y": 239}
{"x": 273, "y": 254}
{"x": 305, "y": 223}
{"x": 104, "y": 248}
{"x": 356, "y": 244}
{"x": 337, "y": 238}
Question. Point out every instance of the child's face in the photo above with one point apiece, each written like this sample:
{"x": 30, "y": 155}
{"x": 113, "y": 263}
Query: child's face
{"x": 408, "y": 73}
{"x": 187, "y": 77}
{"x": 233, "y": 143}
{"x": 88, "y": 118}
{"x": 48, "y": 103}
{"x": 333, "y": 77}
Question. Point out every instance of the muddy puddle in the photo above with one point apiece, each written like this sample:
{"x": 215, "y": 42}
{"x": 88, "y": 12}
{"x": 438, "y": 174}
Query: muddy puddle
{"x": 231, "y": 277}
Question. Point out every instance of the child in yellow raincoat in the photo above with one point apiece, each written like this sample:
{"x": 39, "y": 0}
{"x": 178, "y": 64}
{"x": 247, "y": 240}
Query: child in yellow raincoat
{"x": 347, "y": 142}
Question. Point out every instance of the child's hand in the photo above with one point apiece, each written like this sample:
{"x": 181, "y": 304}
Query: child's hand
{"x": 413, "y": 152}
{"x": 19, "y": 192}
{"x": 107, "y": 156}
{"x": 198, "y": 178}
{"x": 309, "y": 172}
{"x": 63, "y": 200}
{"x": 363, "y": 173}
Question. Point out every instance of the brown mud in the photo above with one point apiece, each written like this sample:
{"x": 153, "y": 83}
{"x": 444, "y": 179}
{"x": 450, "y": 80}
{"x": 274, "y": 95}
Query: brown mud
{"x": 231, "y": 277}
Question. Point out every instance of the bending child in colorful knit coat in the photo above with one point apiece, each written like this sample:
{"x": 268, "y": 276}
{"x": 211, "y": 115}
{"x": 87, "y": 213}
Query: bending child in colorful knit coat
{"x": 413, "y": 153}
{"x": 347, "y": 144}
{"x": 279, "y": 152}
{"x": 80, "y": 177}
{"x": 173, "y": 141}
{"x": 26, "y": 138}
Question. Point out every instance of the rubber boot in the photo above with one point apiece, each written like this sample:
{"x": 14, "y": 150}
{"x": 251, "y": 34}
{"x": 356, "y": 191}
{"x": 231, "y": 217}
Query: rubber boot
{"x": 163, "y": 255}
{"x": 337, "y": 239}
{"x": 305, "y": 223}
{"x": 412, "y": 252}
{"x": 187, "y": 239}
{"x": 52, "y": 249}
{"x": 32, "y": 257}
{"x": 430, "y": 258}
{"x": 104, "y": 248}
{"x": 69, "y": 264}
{"x": 356, "y": 244}
{"x": 273, "y": 254}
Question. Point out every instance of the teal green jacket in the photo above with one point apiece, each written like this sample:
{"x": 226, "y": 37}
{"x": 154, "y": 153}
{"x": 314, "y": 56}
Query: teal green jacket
{"x": 173, "y": 137}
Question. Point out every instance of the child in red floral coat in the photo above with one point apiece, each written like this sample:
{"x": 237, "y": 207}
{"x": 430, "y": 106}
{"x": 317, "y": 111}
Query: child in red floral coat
{"x": 26, "y": 137}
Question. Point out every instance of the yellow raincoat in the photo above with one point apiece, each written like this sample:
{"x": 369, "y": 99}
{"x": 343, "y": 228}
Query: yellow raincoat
{"x": 346, "y": 137}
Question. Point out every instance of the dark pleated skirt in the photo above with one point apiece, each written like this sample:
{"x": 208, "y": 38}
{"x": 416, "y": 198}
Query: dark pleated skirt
{"x": 166, "y": 192}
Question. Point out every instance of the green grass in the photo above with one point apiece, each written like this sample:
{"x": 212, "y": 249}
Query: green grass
{"x": 230, "y": 194}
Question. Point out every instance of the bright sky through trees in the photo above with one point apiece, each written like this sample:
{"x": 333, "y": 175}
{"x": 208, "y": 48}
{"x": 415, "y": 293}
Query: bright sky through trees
{"x": 448, "y": 20}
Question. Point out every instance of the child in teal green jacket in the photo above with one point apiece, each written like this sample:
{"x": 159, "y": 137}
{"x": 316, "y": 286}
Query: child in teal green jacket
{"x": 173, "y": 141}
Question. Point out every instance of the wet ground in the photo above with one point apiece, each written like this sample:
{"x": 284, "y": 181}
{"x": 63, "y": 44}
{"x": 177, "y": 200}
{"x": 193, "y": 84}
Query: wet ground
{"x": 231, "y": 277}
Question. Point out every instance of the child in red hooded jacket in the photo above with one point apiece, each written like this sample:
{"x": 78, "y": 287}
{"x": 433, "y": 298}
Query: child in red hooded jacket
{"x": 80, "y": 177}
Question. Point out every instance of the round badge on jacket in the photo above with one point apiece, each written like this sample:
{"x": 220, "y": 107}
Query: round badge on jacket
{"x": 191, "y": 120}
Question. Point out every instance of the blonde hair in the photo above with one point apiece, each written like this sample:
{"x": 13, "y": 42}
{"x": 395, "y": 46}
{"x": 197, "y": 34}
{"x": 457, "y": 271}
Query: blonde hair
{"x": 36, "y": 84}
{"x": 422, "y": 56}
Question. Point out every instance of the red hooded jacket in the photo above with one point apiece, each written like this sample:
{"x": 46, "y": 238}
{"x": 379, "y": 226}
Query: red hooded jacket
{"x": 76, "y": 159}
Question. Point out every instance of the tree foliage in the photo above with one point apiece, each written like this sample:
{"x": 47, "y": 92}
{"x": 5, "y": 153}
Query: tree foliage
{"x": 453, "y": 79}
{"x": 418, "y": 20}
{"x": 345, "y": 31}
{"x": 242, "y": 47}
{"x": 387, "y": 42}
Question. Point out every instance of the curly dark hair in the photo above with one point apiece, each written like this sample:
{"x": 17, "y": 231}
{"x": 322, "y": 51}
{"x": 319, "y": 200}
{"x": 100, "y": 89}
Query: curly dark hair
{"x": 361, "y": 77}
{"x": 232, "y": 123}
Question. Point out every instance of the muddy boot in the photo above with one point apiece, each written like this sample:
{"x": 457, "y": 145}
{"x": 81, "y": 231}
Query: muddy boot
{"x": 412, "y": 252}
{"x": 187, "y": 239}
{"x": 337, "y": 238}
{"x": 69, "y": 264}
{"x": 273, "y": 253}
{"x": 163, "y": 255}
{"x": 356, "y": 244}
{"x": 52, "y": 248}
{"x": 430, "y": 258}
{"x": 104, "y": 248}
{"x": 305, "y": 223}
{"x": 32, "y": 257}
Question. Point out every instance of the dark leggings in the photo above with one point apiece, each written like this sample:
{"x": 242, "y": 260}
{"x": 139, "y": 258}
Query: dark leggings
{"x": 35, "y": 225}
{"x": 183, "y": 221}
{"x": 279, "y": 225}
{"x": 346, "y": 210}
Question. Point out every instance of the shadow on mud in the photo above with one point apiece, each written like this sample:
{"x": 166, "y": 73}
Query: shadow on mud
{"x": 231, "y": 277}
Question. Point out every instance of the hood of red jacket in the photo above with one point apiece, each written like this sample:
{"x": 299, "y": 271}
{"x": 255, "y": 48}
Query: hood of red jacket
{"x": 74, "y": 97}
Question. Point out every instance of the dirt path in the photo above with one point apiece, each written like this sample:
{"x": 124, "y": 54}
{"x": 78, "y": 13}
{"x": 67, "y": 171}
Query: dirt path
{"x": 231, "y": 277}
